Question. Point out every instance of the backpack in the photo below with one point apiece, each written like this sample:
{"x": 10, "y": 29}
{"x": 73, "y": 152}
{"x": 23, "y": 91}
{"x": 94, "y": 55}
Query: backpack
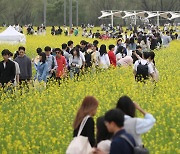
{"x": 142, "y": 72}
{"x": 80, "y": 144}
{"x": 136, "y": 149}
{"x": 88, "y": 59}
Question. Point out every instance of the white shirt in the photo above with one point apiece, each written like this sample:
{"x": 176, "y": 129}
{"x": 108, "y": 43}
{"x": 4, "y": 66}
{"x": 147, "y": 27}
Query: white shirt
{"x": 166, "y": 39}
{"x": 97, "y": 57}
{"x": 156, "y": 72}
{"x": 104, "y": 61}
{"x": 144, "y": 62}
{"x": 4, "y": 65}
{"x": 82, "y": 56}
{"x": 143, "y": 125}
{"x": 76, "y": 60}
{"x": 104, "y": 146}
{"x": 17, "y": 70}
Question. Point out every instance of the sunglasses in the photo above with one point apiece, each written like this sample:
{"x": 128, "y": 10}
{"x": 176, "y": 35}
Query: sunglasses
{"x": 57, "y": 52}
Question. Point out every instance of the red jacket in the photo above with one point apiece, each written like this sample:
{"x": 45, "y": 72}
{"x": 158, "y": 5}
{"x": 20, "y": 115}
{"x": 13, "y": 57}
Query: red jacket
{"x": 112, "y": 58}
{"x": 61, "y": 62}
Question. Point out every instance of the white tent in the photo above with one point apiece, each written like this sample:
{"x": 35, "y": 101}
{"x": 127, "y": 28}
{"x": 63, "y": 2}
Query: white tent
{"x": 170, "y": 15}
{"x": 123, "y": 14}
{"x": 10, "y": 35}
{"x": 105, "y": 14}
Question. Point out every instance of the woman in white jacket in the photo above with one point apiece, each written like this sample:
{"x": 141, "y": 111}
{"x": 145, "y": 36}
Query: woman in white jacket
{"x": 75, "y": 62}
{"x": 104, "y": 61}
{"x": 133, "y": 125}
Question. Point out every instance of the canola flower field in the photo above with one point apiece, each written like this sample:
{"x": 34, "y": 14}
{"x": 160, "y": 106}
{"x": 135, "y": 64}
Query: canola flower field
{"x": 40, "y": 121}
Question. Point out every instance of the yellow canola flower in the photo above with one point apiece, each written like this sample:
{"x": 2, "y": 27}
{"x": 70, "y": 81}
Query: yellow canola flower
{"x": 40, "y": 120}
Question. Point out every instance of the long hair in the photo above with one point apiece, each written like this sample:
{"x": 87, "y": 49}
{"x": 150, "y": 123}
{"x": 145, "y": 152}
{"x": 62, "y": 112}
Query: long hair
{"x": 144, "y": 38}
{"x": 89, "y": 104}
{"x": 102, "y": 132}
{"x": 118, "y": 41}
{"x": 131, "y": 41}
{"x": 102, "y": 50}
{"x": 152, "y": 56}
{"x": 77, "y": 50}
{"x": 43, "y": 55}
{"x": 120, "y": 50}
{"x": 126, "y": 105}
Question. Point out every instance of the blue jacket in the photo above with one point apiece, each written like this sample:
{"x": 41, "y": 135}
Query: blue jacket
{"x": 42, "y": 71}
{"x": 120, "y": 145}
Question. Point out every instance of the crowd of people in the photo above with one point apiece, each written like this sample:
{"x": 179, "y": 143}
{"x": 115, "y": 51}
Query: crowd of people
{"x": 108, "y": 31}
{"x": 118, "y": 131}
{"x": 70, "y": 60}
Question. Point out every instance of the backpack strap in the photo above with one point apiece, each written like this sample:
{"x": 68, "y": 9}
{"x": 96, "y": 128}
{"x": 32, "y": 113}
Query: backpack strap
{"x": 53, "y": 62}
{"x": 82, "y": 125}
{"x": 125, "y": 137}
{"x": 147, "y": 63}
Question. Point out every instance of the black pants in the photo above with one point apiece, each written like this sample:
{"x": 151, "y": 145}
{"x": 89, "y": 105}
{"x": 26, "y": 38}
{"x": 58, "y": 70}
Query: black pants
{"x": 58, "y": 79}
{"x": 24, "y": 84}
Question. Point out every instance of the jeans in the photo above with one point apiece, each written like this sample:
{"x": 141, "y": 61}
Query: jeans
{"x": 74, "y": 71}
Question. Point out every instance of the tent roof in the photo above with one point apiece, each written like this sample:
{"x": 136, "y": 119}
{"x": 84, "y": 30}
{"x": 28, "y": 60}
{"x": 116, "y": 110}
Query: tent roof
{"x": 105, "y": 14}
{"x": 144, "y": 14}
{"x": 10, "y": 35}
{"x": 10, "y": 31}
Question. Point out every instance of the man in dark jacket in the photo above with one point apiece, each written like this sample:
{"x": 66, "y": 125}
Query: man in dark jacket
{"x": 7, "y": 69}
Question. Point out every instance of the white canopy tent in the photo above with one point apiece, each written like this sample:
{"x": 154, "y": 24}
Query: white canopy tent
{"x": 170, "y": 15}
{"x": 10, "y": 35}
{"x": 146, "y": 14}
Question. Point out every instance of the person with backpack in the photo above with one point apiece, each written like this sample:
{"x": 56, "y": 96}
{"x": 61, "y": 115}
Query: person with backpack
{"x": 143, "y": 69}
{"x": 88, "y": 56}
{"x": 52, "y": 63}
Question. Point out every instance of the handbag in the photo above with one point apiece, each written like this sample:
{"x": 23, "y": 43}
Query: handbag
{"x": 137, "y": 149}
{"x": 80, "y": 144}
